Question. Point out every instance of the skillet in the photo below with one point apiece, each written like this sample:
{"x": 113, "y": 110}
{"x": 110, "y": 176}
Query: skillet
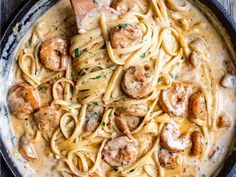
{"x": 25, "y": 18}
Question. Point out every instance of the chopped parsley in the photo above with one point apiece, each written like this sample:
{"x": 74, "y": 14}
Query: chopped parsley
{"x": 115, "y": 169}
{"x": 143, "y": 55}
{"x": 131, "y": 170}
{"x": 71, "y": 89}
{"x": 57, "y": 52}
{"x": 94, "y": 114}
{"x": 160, "y": 79}
{"x": 95, "y": 103}
{"x": 77, "y": 52}
{"x": 42, "y": 89}
{"x": 172, "y": 76}
{"x": 95, "y": 1}
{"x": 99, "y": 76}
{"x": 123, "y": 26}
{"x": 104, "y": 124}
{"x": 27, "y": 44}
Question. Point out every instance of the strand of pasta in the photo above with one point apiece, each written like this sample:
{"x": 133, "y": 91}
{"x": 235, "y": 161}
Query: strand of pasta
{"x": 84, "y": 174}
{"x": 208, "y": 95}
{"x": 215, "y": 106}
{"x": 22, "y": 65}
{"x": 158, "y": 12}
{"x": 161, "y": 170}
{"x": 112, "y": 83}
{"x": 108, "y": 44}
{"x": 77, "y": 130}
{"x": 55, "y": 85}
{"x": 63, "y": 123}
{"x": 128, "y": 102}
{"x": 67, "y": 87}
{"x": 146, "y": 118}
{"x": 206, "y": 144}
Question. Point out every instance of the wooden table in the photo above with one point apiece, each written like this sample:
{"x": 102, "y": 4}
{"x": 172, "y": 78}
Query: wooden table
{"x": 9, "y": 7}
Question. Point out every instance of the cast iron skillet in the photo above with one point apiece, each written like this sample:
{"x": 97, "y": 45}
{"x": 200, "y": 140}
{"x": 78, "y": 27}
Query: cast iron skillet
{"x": 9, "y": 39}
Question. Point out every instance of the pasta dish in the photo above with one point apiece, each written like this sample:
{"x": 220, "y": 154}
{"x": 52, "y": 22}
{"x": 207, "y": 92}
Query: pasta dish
{"x": 127, "y": 88}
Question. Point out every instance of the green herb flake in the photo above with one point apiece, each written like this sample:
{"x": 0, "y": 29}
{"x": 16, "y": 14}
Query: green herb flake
{"x": 203, "y": 175}
{"x": 77, "y": 52}
{"x": 143, "y": 55}
{"x": 71, "y": 89}
{"x": 57, "y": 52}
{"x": 172, "y": 76}
{"x": 131, "y": 170}
{"x": 123, "y": 26}
{"x": 104, "y": 124}
{"x": 95, "y": 1}
{"x": 94, "y": 114}
{"x": 42, "y": 89}
{"x": 95, "y": 103}
{"x": 28, "y": 43}
{"x": 99, "y": 76}
{"x": 160, "y": 79}
{"x": 176, "y": 76}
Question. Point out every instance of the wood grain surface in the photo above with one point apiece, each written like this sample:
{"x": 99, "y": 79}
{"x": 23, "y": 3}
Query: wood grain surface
{"x": 10, "y": 7}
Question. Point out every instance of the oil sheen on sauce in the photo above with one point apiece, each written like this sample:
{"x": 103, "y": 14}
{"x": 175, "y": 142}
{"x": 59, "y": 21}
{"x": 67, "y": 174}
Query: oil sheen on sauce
{"x": 61, "y": 22}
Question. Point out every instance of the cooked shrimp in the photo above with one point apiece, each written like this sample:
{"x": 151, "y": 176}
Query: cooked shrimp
{"x": 169, "y": 160}
{"x": 125, "y": 35}
{"x": 26, "y": 149}
{"x": 172, "y": 139}
{"x": 93, "y": 117}
{"x": 137, "y": 81}
{"x": 174, "y": 100}
{"x": 224, "y": 121}
{"x": 94, "y": 175}
{"x": 228, "y": 81}
{"x": 23, "y": 99}
{"x": 124, "y": 6}
{"x": 120, "y": 151}
{"x": 188, "y": 74}
{"x": 197, "y": 106}
{"x": 138, "y": 110}
{"x": 54, "y": 54}
{"x": 197, "y": 143}
{"x": 127, "y": 123}
{"x": 47, "y": 118}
